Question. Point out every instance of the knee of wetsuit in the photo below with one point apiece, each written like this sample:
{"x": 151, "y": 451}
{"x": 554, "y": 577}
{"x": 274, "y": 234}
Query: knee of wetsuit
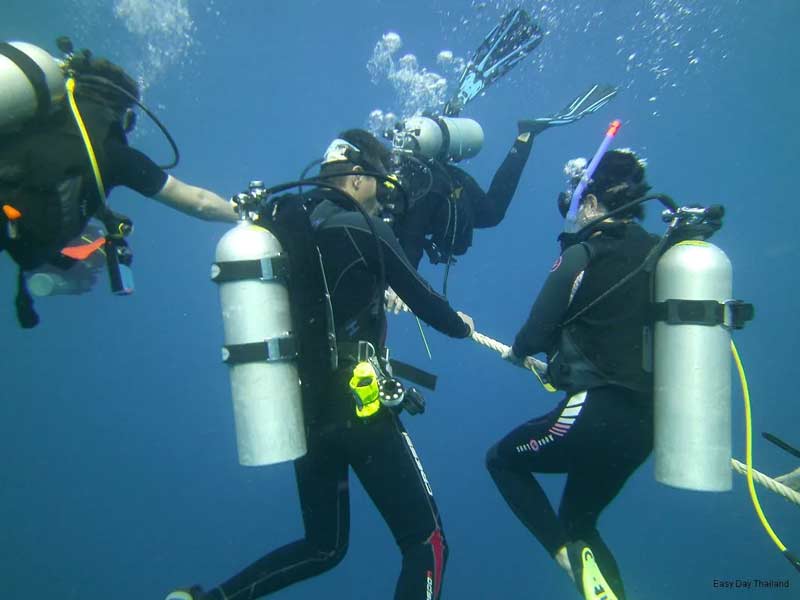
{"x": 327, "y": 557}
{"x": 432, "y": 551}
{"x": 493, "y": 461}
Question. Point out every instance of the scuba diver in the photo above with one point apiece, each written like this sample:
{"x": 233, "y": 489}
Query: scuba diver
{"x": 447, "y": 203}
{"x": 602, "y": 430}
{"x": 63, "y": 148}
{"x": 351, "y": 420}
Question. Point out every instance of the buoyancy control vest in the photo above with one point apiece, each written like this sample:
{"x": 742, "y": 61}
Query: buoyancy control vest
{"x": 45, "y": 175}
{"x": 605, "y": 345}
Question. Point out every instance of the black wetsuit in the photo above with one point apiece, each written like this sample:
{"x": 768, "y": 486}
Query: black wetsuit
{"x": 456, "y": 204}
{"x": 378, "y": 448}
{"x": 603, "y": 429}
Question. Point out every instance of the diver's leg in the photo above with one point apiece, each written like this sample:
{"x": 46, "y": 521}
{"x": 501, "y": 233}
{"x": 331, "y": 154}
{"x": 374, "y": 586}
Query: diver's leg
{"x": 491, "y": 209}
{"x": 544, "y": 445}
{"x": 324, "y": 499}
{"x": 386, "y": 463}
{"x": 617, "y": 431}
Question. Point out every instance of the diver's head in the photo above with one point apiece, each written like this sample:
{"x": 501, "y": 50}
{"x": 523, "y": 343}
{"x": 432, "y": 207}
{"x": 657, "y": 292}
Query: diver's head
{"x": 618, "y": 180}
{"x": 107, "y": 85}
{"x": 355, "y": 154}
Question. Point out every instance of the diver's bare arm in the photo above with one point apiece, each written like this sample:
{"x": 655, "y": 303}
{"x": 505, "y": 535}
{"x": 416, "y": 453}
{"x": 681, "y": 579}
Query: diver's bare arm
{"x": 195, "y": 201}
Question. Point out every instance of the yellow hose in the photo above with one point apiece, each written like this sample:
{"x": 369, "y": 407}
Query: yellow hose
{"x": 86, "y": 141}
{"x": 749, "y": 450}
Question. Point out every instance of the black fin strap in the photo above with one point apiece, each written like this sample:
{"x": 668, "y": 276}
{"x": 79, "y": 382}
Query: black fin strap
{"x": 34, "y": 74}
{"x": 26, "y": 315}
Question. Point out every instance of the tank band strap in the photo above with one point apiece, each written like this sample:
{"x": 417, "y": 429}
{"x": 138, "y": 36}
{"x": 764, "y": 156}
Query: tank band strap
{"x": 271, "y": 350}
{"x": 34, "y": 74}
{"x": 268, "y": 268}
{"x": 732, "y": 314}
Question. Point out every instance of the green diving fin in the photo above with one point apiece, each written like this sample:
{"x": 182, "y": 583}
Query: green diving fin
{"x": 509, "y": 42}
{"x": 592, "y": 100}
{"x": 588, "y": 578}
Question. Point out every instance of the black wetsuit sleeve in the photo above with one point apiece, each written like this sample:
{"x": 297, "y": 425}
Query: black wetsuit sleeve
{"x": 491, "y": 207}
{"x": 403, "y": 278}
{"x": 540, "y": 332}
{"x": 133, "y": 169}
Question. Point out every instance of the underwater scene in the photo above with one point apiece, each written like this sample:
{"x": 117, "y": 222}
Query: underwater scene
{"x": 196, "y": 397}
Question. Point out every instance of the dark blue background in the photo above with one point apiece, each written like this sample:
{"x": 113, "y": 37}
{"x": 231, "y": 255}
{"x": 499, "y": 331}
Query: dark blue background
{"x": 120, "y": 477}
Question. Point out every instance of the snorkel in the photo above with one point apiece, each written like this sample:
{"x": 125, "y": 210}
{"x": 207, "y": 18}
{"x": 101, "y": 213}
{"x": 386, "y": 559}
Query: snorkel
{"x": 571, "y": 220}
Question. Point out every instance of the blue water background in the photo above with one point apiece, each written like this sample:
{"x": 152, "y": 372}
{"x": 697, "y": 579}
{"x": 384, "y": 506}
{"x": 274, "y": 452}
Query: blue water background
{"x": 120, "y": 476}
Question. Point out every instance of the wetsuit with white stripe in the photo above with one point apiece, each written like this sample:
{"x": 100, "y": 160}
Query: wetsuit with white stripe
{"x": 598, "y": 436}
{"x": 378, "y": 449}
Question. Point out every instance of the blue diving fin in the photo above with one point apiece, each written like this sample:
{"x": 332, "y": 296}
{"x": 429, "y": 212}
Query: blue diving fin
{"x": 592, "y": 100}
{"x": 509, "y": 42}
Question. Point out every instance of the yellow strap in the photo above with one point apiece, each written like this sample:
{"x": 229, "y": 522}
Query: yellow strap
{"x": 86, "y": 141}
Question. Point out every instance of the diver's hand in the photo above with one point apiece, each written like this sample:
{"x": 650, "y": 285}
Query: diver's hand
{"x": 469, "y": 322}
{"x": 393, "y": 302}
{"x": 513, "y": 358}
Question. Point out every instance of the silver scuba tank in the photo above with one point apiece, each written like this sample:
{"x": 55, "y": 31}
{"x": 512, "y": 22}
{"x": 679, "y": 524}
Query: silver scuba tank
{"x": 692, "y": 368}
{"x": 441, "y": 138}
{"x": 260, "y": 349}
{"x": 31, "y": 83}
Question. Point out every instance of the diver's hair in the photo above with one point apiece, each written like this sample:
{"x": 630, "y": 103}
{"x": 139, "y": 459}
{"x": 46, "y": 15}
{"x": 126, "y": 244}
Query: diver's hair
{"x": 88, "y": 69}
{"x": 619, "y": 179}
{"x": 374, "y": 155}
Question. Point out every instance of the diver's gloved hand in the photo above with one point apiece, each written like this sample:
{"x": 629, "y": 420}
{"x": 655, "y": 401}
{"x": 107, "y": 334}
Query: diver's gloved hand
{"x": 513, "y": 358}
{"x": 791, "y": 480}
{"x": 469, "y": 322}
{"x": 393, "y": 302}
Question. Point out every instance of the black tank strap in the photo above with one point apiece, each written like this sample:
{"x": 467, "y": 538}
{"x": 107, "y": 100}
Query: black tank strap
{"x": 267, "y": 269}
{"x": 34, "y": 74}
{"x": 732, "y": 314}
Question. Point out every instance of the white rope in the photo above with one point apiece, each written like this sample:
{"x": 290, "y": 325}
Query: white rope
{"x": 534, "y": 364}
{"x": 538, "y": 367}
{"x": 767, "y": 482}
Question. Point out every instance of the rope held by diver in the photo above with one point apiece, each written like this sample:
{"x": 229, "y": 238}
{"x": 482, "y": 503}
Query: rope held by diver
{"x": 538, "y": 367}
{"x": 767, "y": 482}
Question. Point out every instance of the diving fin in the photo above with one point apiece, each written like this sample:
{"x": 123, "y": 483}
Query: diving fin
{"x": 508, "y": 43}
{"x": 592, "y": 100}
{"x": 588, "y": 578}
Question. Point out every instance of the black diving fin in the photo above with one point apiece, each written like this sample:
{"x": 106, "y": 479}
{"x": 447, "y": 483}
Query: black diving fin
{"x": 509, "y": 42}
{"x": 592, "y": 100}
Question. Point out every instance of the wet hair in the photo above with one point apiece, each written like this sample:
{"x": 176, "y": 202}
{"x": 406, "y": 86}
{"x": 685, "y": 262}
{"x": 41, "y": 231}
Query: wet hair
{"x": 97, "y": 79}
{"x": 618, "y": 180}
{"x": 373, "y": 155}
